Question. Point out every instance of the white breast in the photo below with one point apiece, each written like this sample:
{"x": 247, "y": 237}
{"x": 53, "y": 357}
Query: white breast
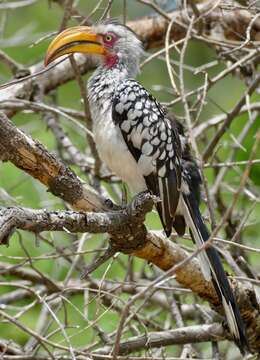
{"x": 114, "y": 152}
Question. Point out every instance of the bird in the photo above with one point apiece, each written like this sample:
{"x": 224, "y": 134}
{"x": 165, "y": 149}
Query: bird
{"x": 144, "y": 145}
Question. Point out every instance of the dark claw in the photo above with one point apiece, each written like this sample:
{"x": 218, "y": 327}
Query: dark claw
{"x": 109, "y": 203}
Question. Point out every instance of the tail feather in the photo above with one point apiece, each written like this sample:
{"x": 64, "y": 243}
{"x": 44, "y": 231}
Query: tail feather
{"x": 212, "y": 269}
{"x": 197, "y": 237}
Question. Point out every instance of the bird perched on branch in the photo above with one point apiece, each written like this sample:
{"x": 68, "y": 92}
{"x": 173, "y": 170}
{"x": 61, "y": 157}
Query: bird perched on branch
{"x": 144, "y": 145}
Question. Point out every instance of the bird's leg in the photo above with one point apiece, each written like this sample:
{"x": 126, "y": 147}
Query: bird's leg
{"x": 110, "y": 252}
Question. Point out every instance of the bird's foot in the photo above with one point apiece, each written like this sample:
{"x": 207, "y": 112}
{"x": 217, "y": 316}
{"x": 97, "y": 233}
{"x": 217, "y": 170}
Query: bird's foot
{"x": 148, "y": 194}
{"x": 142, "y": 203}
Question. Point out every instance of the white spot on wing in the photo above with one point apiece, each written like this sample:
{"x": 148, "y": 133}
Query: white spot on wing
{"x": 132, "y": 96}
{"x": 146, "y": 121}
{"x": 162, "y": 126}
{"x": 127, "y": 105}
{"x": 145, "y": 133}
{"x": 123, "y": 98}
{"x": 147, "y": 148}
{"x": 162, "y": 156}
{"x": 163, "y": 136}
{"x": 119, "y": 108}
{"x": 155, "y": 141}
{"x": 138, "y": 113}
{"x": 138, "y": 105}
{"x": 136, "y": 136}
{"x": 125, "y": 126}
{"x": 131, "y": 114}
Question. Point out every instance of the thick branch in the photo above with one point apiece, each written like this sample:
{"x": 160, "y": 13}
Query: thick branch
{"x": 115, "y": 222}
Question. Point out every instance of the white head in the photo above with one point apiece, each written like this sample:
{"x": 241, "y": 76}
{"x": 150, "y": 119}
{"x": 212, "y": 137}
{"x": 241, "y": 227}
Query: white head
{"x": 114, "y": 42}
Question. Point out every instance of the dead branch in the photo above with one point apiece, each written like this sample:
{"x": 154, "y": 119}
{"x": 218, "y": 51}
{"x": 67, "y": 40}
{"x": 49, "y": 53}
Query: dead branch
{"x": 36, "y": 221}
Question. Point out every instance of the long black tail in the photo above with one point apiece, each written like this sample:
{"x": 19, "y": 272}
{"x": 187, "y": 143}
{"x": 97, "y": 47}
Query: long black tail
{"x": 213, "y": 270}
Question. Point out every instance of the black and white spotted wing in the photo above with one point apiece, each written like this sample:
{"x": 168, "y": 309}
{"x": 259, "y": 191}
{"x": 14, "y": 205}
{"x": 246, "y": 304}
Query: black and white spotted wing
{"x": 171, "y": 174}
{"x": 153, "y": 143}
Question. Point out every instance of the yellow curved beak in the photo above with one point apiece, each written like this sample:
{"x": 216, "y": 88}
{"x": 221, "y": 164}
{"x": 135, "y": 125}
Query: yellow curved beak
{"x": 78, "y": 39}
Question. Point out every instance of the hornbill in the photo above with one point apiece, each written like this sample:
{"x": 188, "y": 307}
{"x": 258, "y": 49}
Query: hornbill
{"x": 144, "y": 145}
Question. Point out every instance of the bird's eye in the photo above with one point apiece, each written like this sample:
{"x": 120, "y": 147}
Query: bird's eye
{"x": 108, "y": 38}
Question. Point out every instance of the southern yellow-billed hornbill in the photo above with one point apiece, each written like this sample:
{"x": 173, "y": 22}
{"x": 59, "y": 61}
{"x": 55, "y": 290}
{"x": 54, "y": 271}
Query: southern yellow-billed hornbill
{"x": 143, "y": 145}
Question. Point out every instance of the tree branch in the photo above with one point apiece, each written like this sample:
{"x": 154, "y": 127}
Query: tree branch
{"x": 183, "y": 335}
{"x": 115, "y": 222}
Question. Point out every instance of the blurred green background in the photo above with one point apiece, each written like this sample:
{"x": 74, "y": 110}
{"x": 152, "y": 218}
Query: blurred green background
{"x": 20, "y": 29}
